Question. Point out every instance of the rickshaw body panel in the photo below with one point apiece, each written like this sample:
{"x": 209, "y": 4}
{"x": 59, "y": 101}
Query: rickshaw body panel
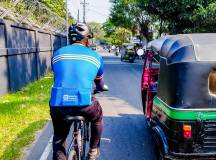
{"x": 146, "y": 76}
{"x": 202, "y": 143}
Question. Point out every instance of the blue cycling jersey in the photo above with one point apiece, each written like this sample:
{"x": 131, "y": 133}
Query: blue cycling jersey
{"x": 75, "y": 67}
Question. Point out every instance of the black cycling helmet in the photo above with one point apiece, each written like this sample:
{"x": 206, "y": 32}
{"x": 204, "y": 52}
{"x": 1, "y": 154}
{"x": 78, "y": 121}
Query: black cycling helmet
{"x": 78, "y": 32}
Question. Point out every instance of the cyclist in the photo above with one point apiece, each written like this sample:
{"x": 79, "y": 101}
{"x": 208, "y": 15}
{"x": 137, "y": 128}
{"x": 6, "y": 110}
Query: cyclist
{"x": 75, "y": 69}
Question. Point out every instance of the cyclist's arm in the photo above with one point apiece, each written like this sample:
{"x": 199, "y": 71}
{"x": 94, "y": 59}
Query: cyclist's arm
{"x": 53, "y": 55}
{"x": 99, "y": 81}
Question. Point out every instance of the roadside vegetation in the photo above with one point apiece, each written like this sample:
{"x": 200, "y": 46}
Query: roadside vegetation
{"x": 22, "y": 114}
{"x": 46, "y": 14}
{"x": 57, "y": 6}
{"x": 149, "y": 19}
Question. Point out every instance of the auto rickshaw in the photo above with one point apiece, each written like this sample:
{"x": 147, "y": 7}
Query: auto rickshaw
{"x": 179, "y": 95}
{"x": 128, "y": 52}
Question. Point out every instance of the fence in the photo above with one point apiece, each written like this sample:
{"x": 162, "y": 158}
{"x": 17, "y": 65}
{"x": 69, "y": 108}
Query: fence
{"x": 24, "y": 54}
{"x": 33, "y": 13}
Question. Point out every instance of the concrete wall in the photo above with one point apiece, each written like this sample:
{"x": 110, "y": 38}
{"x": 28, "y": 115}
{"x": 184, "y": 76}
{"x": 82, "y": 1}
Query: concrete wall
{"x": 25, "y": 54}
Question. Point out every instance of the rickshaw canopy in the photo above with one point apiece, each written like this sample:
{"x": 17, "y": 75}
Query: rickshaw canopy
{"x": 186, "y": 47}
{"x": 187, "y": 73}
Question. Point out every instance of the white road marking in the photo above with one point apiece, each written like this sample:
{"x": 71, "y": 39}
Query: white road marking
{"x": 106, "y": 140}
{"x": 47, "y": 150}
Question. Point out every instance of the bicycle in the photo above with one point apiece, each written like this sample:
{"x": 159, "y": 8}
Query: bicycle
{"x": 80, "y": 136}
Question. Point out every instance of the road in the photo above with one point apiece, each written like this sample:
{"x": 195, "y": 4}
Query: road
{"x": 126, "y": 135}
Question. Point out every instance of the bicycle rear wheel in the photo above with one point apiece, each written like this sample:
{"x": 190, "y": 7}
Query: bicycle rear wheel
{"x": 77, "y": 148}
{"x": 81, "y": 143}
{"x": 85, "y": 138}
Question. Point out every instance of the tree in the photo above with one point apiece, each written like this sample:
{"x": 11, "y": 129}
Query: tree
{"x": 97, "y": 30}
{"x": 57, "y": 6}
{"x": 121, "y": 35}
{"x": 169, "y": 17}
{"x": 180, "y": 16}
{"x": 108, "y": 27}
{"x": 115, "y": 35}
{"x": 205, "y": 18}
{"x": 130, "y": 14}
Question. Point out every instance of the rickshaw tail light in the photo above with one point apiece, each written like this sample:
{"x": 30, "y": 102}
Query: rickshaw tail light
{"x": 187, "y": 131}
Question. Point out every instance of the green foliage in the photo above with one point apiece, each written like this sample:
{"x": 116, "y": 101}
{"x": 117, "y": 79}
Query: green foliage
{"x": 115, "y": 35}
{"x": 176, "y": 14}
{"x": 172, "y": 17}
{"x": 205, "y": 18}
{"x": 120, "y": 15}
{"x": 121, "y": 35}
{"x": 97, "y": 31}
{"x": 57, "y": 6}
{"x": 108, "y": 27}
{"x": 130, "y": 14}
{"x": 183, "y": 16}
{"x": 22, "y": 114}
{"x": 48, "y": 14}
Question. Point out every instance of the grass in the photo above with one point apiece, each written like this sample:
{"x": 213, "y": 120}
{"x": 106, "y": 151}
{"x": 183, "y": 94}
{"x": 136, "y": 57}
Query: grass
{"x": 22, "y": 114}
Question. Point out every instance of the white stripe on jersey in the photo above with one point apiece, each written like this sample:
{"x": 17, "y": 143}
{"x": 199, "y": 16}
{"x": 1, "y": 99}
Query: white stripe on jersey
{"x": 77, "y": 58}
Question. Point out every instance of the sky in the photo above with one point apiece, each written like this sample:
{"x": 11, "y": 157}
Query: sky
{"x": 96, "y": 10}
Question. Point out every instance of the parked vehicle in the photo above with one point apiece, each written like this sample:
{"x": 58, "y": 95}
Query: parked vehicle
{"x": 179, "y": 95}
{"x": 128, "y": 52}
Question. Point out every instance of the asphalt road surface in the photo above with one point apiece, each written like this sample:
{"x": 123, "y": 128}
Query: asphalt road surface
{"x": 126, "y": 135}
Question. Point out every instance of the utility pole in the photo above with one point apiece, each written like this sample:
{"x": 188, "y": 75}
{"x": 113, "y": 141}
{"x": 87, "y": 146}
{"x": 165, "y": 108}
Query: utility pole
{"x": 84, "y": 10}
{"x": 78, "y": 16}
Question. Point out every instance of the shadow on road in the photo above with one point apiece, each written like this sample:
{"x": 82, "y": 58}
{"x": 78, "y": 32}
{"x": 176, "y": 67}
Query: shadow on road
{"x": 126, "y": 137}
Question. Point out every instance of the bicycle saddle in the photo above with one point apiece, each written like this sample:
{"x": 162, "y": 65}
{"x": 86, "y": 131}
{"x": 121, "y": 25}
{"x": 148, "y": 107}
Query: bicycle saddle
{"x": 75, "y": 118}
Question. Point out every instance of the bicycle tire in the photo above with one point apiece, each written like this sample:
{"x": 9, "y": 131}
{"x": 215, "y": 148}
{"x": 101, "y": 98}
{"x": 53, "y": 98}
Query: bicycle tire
{"x": 77, "y": 148}
{"x": 83, "y": 135}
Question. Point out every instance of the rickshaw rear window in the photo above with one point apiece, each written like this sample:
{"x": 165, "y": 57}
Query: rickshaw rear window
{"x": 212, "y": 82}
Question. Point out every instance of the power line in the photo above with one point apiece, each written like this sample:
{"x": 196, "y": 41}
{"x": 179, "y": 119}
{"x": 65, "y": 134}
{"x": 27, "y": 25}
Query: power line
{"x": 98, "y": 6}
{"x": 102, "y": 14}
